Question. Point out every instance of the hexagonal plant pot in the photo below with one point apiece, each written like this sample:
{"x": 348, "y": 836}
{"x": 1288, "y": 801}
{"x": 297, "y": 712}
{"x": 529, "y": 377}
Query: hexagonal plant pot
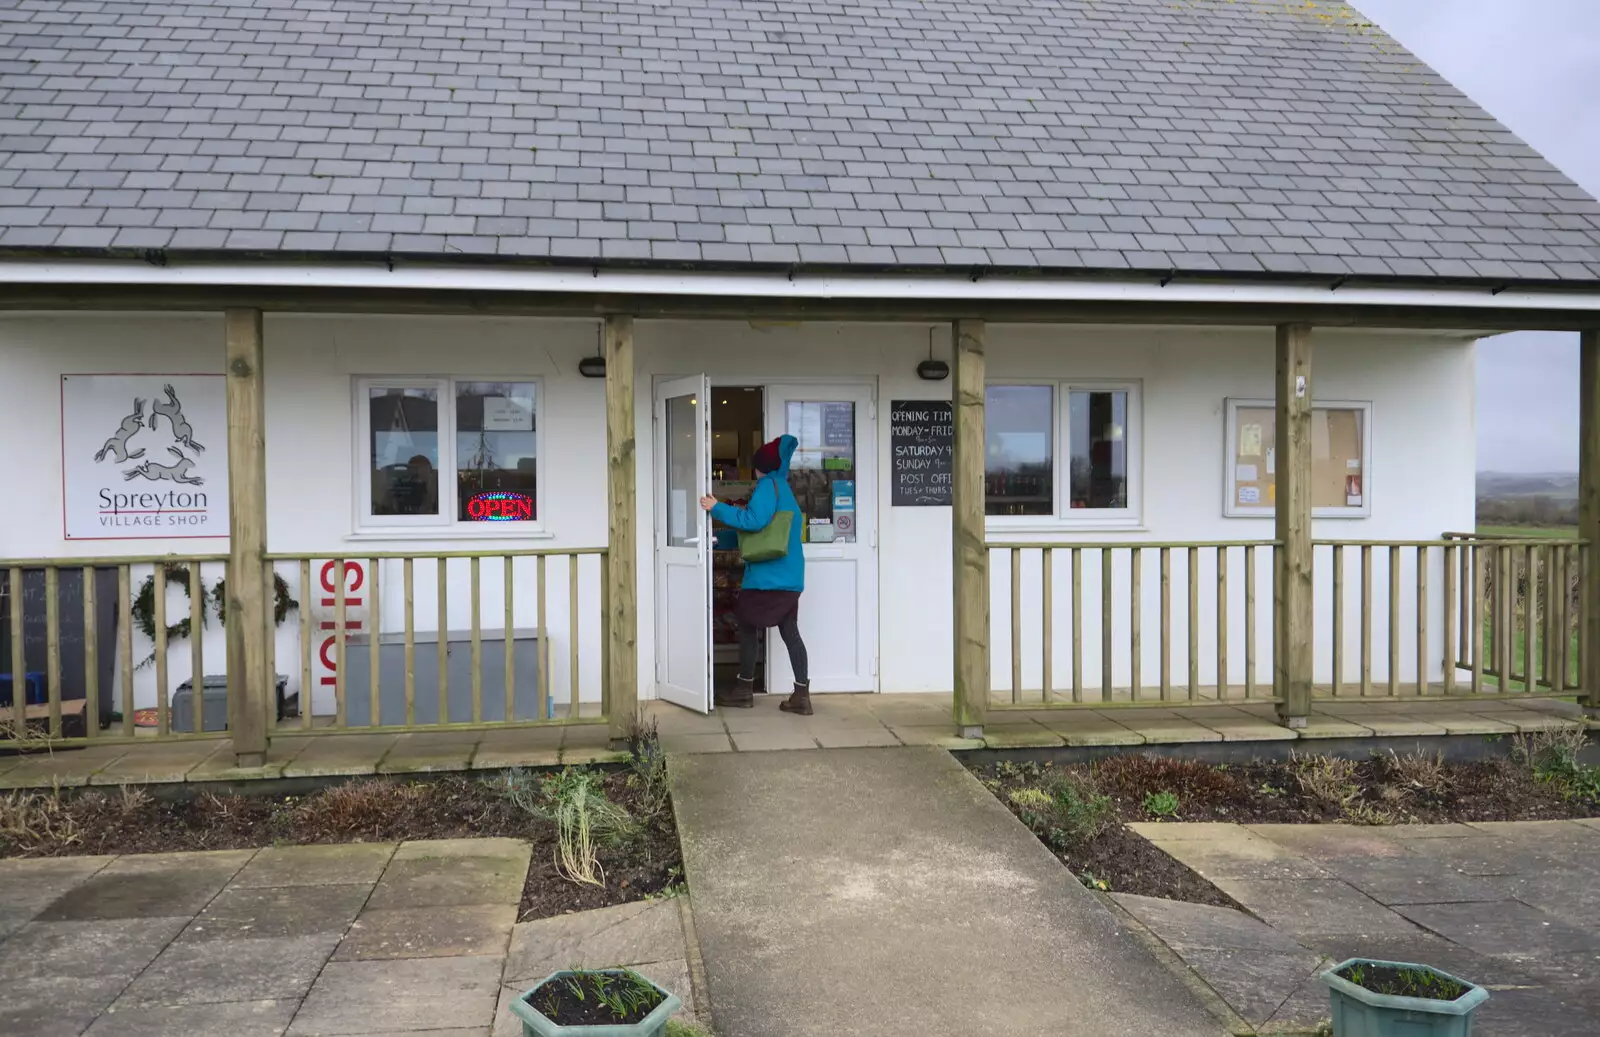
{"x": 1359, "y": 1012}
{"x": 536, "y": 1024}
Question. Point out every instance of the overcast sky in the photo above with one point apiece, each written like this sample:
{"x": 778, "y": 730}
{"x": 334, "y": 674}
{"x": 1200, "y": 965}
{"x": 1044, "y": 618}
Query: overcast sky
{"x": 1535, "y": 65}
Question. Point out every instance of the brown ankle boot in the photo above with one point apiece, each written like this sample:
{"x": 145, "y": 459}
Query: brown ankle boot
{"x": 740, "y": 696}
{"x": 798, "y": 702}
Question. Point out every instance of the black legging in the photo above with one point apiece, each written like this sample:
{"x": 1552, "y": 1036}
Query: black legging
{"x": 789, "y": 630}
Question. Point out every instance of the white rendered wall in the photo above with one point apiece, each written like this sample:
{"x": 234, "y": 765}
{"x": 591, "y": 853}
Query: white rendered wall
{"x": 1419, "y": 473}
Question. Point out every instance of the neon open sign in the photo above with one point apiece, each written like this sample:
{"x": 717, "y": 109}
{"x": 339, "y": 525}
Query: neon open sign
{"x": 500, "y": 506}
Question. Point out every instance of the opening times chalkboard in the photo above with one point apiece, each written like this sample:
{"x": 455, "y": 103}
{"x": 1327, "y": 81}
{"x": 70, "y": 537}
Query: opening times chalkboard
{"x": 922, "y": 438}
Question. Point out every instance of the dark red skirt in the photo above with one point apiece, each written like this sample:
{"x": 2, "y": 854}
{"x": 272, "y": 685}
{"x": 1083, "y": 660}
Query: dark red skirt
{"x": 761, "y": 609}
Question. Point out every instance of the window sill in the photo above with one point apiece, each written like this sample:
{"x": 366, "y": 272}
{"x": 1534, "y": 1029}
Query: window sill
{"x": 446, "y": 533}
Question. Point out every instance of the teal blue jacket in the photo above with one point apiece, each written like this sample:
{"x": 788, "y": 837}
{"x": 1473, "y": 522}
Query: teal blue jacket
{"x": 770, "y": 496}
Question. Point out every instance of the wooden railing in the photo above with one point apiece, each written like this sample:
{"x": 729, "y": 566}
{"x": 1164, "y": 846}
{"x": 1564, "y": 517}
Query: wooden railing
{"x": 1528, "y": 596}
{"x": 1038, "y": 643}
{"x": 31, "y": 596}
{"x": 535, "y": 602}
{"x": 321, "y": 622}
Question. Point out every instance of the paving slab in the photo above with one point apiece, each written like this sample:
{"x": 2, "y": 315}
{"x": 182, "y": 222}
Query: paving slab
{"x": 1032, "y": 736}
{"x": 278, "y": 911}
{"x": 222, "y": 766}
{"x": 56, "y": 1006}
{"x": 522, "y": 747}
{"x": 235, "y": 1019}
{"x": 1174, "y": 731}
{"x": 1503, "y": 928}
{"x": 844, "y": 866}
{"x": 1256, "y": 984}
{"x": 405, "y": 995}
{"x": 428, "y": 753}
{"x": 429, "y": 932}
{"x": 452, "y": 873}
{"x": 1299, "y": 906}
{"x": 1246, "y": 856}
{"x": 1322, "y": 726}
{"x": 61, "y": 768}
{"x": 766, "y": 741}
{"x": 628, "y": 934}
{"x": 1181, "y": 924}
{"x": 709, "y": 742}
{"x": 166, "y": 765}
{"x": 848, "y": 737}
{"x": 339, "y": 864}
{"x": 102, "y": 950}
{"x": 337, "y": 755}
{"x": 941, "y": 736}
{"x": 1248, "y": 729}
{"x": 28, "y": 886}
{"x": 149, "y": 885}
{"x": 198, "y": 972}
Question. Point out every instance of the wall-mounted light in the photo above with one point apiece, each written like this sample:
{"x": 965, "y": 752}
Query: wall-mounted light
{"x": 931, "y": 370}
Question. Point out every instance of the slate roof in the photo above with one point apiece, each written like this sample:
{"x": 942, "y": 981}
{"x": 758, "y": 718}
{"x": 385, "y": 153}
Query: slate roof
{"x": 1232, "y": 137}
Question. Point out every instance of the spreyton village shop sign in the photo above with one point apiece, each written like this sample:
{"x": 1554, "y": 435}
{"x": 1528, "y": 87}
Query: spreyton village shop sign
{"x": 144, "y": 456}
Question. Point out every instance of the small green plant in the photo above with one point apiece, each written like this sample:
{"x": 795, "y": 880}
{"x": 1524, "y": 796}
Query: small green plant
{"x": 1092, "y": 881}
{"x": 648, "y": 766}
{"x": 1161, "y": 804}
{"x": 679, "y": 1028}
{"x": 575, "y": 800}
{"x": 1404, "y": 981}
{"x": 1553, "y": 758}
{"x": 1066, "y": 809}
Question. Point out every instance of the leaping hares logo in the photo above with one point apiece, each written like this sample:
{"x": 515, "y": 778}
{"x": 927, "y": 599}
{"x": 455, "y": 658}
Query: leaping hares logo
{"x": 117, "y": 445}
{"x": 167, "y": 472}
{"x": 172, "y": 410}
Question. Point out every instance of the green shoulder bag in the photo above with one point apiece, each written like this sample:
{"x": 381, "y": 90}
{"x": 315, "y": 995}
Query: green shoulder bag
{"x": 769, "y": 542}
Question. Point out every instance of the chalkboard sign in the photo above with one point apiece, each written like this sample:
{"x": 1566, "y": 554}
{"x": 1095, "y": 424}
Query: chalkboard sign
{"x": 71, "y": 632}
{"x": 922, "y": 438}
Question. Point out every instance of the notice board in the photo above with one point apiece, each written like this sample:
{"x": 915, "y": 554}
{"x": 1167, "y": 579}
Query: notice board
{"x": 1338, "y": 457}
{"x": 922, "y": 440}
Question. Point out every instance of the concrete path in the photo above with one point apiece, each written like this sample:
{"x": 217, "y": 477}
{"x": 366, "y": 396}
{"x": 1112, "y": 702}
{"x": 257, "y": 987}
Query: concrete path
{"x": 1514, "y": 906}
{"x": 380, "y": 939}
{"x": 885, "y": 892}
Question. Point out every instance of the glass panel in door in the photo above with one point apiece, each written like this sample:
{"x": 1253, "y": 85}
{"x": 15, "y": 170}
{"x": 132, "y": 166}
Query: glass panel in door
{"x": 683, "y": 569}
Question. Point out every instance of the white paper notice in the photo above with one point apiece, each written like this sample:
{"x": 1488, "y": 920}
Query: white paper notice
{"x": 1244, "y": 473}
{"x": 1272, "y": 461}
{"x": 1250, "y": 441}
{"x": 678, "y": 515}
{"x": 1249, "y": 495}
{"x": 1352, "y": 500}
{"x": 1352, "y": 462}
{"x": 501, "y": 414}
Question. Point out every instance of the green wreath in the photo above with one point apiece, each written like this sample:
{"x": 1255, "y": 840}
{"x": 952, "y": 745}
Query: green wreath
{"x": 143, "y": 610}
{"x": 282, "y": 604}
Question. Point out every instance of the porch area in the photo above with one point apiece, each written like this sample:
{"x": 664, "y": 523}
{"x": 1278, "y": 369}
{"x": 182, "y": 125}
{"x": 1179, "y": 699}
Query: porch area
{"x": 410, "y": 661}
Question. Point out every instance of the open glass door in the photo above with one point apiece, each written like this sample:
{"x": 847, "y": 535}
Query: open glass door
{"x": 683, "y": 543}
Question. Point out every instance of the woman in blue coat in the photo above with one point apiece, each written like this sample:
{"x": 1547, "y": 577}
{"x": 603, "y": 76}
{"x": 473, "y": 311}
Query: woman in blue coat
{"x": 769, "y": 594}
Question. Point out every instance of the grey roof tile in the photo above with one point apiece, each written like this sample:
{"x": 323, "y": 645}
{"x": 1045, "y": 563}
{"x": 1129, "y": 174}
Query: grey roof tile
{"x": 1084, "y": 134}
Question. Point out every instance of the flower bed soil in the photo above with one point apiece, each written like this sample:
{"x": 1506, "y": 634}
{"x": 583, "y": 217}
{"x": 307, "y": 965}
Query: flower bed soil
{"x": 363, "y": 810}
{"x": 1307, "y": 790}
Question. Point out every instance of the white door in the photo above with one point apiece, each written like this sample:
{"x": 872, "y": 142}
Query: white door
{"x": 683, "y": 542}
{"x": 834, "y": 476}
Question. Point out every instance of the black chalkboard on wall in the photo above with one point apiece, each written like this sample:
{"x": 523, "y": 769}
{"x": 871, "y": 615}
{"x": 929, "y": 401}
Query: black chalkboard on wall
{"x": 71, "y": 631}
{"x": 922, "y": 439}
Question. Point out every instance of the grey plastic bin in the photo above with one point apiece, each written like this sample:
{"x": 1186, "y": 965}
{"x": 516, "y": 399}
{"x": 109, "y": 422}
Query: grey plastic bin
{"x": 458, "y": 647}
{"x": 215, "y": 699}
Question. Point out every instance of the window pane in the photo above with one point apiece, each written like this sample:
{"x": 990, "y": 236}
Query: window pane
{"x": 405, "y": 451}
{"x": 1019, "y": 455}
{"x": 1098, "y": 434}
{"x": 823, "y": 470}
{"x": 683, "y": 470}
{"x": 496, "y": 460}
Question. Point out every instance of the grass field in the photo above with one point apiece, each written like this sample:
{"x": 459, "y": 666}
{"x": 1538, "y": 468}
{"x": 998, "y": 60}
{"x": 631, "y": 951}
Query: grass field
{"x": 1531, "y": 532}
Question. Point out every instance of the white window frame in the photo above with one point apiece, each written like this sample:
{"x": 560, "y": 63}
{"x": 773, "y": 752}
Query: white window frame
{"x": 1065, "y": 516}
{"x": 1232, "y": 509}
{"x": 446, "y": 521}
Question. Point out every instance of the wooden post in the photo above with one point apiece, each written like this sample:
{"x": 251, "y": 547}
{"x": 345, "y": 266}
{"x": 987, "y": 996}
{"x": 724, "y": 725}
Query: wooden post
{"x": 970, "y": 563}
{"x": 622, "y": 622}
{"x": 249, "y": 684}
{"x": 1588, "y": 522}
{"x": 1292, "y": 665}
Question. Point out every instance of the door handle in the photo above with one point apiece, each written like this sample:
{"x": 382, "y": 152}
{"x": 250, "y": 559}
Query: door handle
{"x": 691, "y": 540}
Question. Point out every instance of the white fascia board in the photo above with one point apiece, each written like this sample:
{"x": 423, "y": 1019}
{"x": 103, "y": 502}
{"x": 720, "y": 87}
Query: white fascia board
{"x": 999, "y": 288}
